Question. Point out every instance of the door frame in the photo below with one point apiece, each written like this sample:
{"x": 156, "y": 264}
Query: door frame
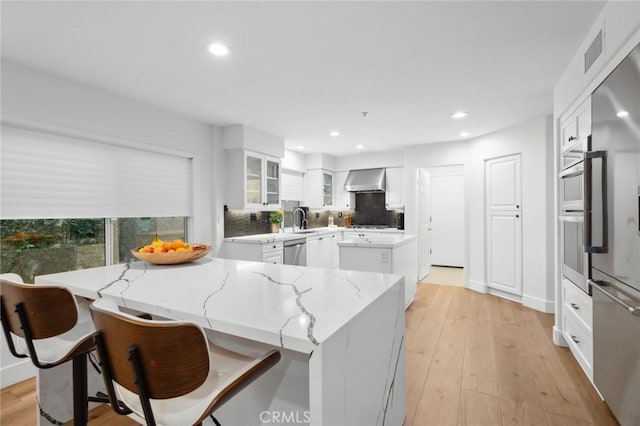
{"x": 431, "y": 169}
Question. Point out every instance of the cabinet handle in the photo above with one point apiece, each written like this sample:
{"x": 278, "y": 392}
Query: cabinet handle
{"x": 517, "y": 206}
{"x": 575, "y": 339}
{"x": 517, "y": 215}
{"x": 574, "y": 306}
{"x": 572, "y": 138}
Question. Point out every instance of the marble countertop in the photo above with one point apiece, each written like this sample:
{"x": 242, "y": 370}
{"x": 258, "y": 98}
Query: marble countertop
{"x": 290, "y": 235}
{"x": 283, "y": 305}
{"x": 283, "y": 236}
{"x": 380, "y": 230}
{"x": 378, "y": 241}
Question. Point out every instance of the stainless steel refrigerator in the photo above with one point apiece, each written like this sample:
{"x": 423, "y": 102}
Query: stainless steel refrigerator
{"x": 612, "y": 237}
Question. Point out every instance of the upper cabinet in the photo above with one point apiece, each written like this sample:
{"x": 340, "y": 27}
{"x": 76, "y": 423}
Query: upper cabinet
{"x": 576, "y": 125}
{"x": 318, "y": 189}
{"x": 253, "y": 168}
{"x": 258, "y": 187}
{"x": 344, "y": 200}
{"x": 394, "y": 197}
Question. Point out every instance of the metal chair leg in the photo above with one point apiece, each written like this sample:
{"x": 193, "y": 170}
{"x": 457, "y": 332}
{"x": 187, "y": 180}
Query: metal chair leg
{"x": 80, "y": 392}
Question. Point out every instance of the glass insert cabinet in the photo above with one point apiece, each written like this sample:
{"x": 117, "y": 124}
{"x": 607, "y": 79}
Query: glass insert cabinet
{"x": 253, "y": 181}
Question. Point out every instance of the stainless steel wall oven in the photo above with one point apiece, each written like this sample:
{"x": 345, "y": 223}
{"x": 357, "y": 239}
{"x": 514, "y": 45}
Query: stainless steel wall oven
{"x": 575, "y": 262}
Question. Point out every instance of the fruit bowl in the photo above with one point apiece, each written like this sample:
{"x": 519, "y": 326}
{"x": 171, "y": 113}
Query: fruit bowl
{"x": 199, "y": 250}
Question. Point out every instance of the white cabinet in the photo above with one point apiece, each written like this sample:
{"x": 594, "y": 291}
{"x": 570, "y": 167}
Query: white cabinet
{"x": 318, "y": 189}
{"x": 323, "y": 250}
{"x": 335, "y": 249}
{"x": 389, "y": 258}
{"x": 577, "y": 311}
{"x": 344, "y": 200}
{"x": 313, "y": 251}
{"x": 273, "y": 253}
{"x": 394, "y": 197}
{"x": 253, "y": 181}
{"x": 576, "y": 125}
{"x": 257, "y": 252}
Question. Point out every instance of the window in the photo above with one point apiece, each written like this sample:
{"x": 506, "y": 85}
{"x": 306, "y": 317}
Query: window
{"x": 32, "y": 247}
{"x": 132, "y": 233}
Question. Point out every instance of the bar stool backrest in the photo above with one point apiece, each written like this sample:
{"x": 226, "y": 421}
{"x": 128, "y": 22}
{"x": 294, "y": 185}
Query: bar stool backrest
{"x": 49, "y": 310}
{"x": 173, "y": 355}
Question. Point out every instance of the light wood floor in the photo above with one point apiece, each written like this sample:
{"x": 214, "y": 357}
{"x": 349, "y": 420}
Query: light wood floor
{"x": 444, "y": 275}
{"x": 472, "y": 359}
{"x": 476, "y": 359}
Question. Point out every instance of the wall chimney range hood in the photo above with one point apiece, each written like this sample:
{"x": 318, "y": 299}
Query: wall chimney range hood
{"x": 366, "y": 180}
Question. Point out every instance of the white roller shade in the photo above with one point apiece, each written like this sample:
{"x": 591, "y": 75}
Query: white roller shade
{"x": 292, "y": 186}
{"x": 50, "y": 176}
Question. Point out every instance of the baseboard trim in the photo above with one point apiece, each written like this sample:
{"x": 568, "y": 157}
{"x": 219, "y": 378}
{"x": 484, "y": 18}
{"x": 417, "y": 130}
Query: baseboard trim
{"x": 17, "y": 372}
{"x": 542, "y": 305}
{"x": 478, "y": 286}
{"x": 558, "y": 338}
{"x": 505, "y": 295}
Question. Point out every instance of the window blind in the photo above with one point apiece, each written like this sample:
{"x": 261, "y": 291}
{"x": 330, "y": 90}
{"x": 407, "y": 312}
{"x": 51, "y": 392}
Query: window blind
{"x": 51, "y": 176}
{"x": 292, "y": 186}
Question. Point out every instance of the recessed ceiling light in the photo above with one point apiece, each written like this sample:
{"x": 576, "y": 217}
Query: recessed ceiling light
{"x": 360, "y": 146}
{"x": 218, "y": 49}
{"x": 300, "y": 146}
{"x": 335, "y": 133}
{"x": 464, "y": 134}
{"x": 459, "y": 114}
{"x": 622, "y": 114}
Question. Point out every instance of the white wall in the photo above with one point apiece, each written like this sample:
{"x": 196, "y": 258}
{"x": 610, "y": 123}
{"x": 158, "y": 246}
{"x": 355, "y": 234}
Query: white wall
{"x": 533, "y": 140}
{"x": 295, "y": 161}
{"x": 370, "y": 160}
{"x": 37, "y": 97}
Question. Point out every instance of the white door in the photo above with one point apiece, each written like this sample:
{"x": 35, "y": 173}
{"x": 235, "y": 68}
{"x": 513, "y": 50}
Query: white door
{"x": 503, "y": 192}
{"x": 423, "y": 214}
{"x": 447, "y": 220}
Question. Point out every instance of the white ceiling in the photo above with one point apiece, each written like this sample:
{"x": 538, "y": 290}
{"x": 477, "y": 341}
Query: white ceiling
{"x": 302, "y": 69}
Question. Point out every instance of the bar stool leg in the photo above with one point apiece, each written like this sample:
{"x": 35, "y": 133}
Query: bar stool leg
{"x": 80, "y": 392}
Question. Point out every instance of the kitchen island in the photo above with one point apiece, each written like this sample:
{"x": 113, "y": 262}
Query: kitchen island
{"x": 341, "y": 335}
{"x": 386, "y": 253}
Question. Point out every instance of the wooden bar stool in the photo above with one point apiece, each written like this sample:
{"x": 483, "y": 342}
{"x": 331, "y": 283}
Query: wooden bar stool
{"x": 167, "y": 372}
{"x": 41, "y": 322}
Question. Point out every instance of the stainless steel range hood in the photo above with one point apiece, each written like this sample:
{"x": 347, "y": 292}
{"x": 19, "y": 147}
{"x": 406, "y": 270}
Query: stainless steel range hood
{"x": 366, "y": 180}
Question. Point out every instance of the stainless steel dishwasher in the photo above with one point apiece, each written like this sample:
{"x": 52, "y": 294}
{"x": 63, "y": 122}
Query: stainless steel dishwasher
{"x": 295, "y": 252}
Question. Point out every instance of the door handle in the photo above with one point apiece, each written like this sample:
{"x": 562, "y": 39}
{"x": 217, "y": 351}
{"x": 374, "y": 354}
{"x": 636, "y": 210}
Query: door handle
{"x": 572, "y": 171}
{"x": 600, "y": 285}
{"x": 588, "y": 202}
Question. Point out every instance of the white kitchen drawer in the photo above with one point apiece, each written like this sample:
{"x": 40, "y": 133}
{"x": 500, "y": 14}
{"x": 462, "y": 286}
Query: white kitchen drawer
{"x": 568, "y": 132}
{"x": 274, "y": 256}
{"x": 276, "y": 245}
{"x": 580, "y": 340}
{"x": 578, "y": 302}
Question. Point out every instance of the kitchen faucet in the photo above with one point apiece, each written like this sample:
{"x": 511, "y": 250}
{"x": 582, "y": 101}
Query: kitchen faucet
{"x": 303, "y": 221}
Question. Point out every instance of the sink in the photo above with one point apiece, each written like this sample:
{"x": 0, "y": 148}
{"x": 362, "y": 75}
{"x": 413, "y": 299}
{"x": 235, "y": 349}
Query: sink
{"x": 307, "y": 231}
